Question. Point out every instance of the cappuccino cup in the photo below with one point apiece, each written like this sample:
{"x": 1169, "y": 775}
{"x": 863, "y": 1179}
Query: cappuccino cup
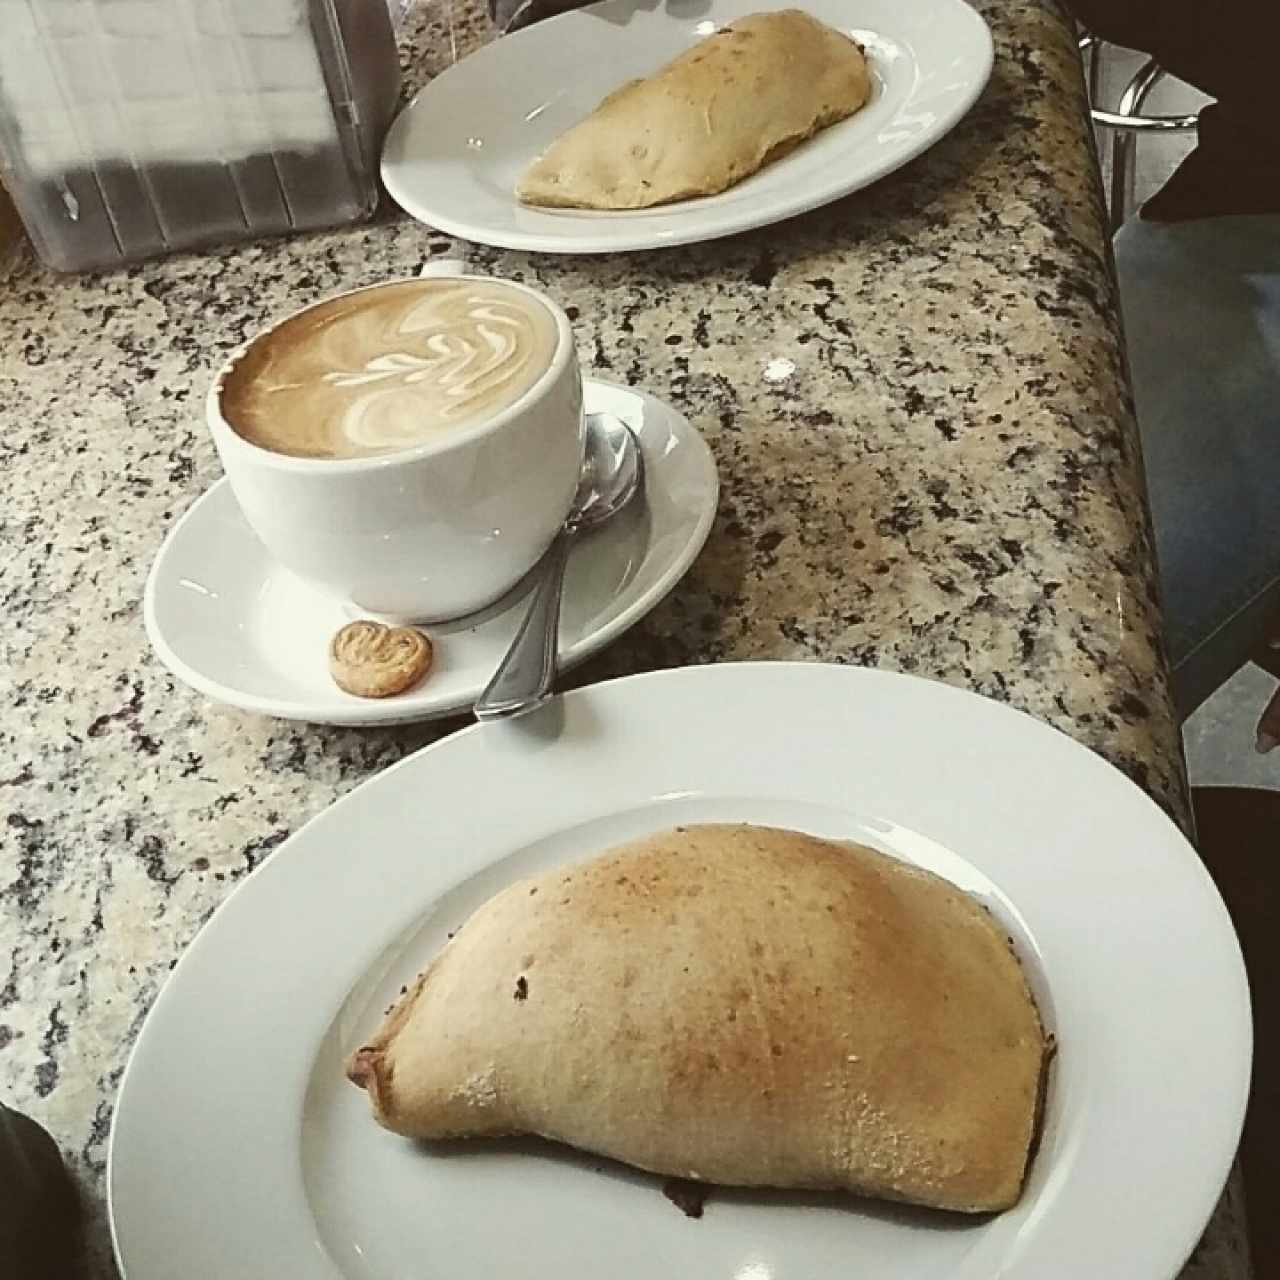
{"x": 410, "y": 447}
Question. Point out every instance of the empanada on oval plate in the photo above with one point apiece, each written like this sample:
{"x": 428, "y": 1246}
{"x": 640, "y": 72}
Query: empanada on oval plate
{"x": 722, "y": 110}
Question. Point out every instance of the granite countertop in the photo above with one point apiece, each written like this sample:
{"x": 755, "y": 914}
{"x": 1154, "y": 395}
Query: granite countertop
{"x": 918, "y": 405}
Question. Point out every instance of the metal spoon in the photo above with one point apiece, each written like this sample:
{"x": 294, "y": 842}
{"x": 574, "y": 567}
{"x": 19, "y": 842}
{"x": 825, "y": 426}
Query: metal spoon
{"x": 612, "y": 474}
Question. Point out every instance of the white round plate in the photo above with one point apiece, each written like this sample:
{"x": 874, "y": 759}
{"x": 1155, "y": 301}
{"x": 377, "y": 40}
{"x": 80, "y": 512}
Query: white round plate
{"x": 230, "y": 622}
{"x": 453, "y": 156}
{"x": 239, "y": 1150}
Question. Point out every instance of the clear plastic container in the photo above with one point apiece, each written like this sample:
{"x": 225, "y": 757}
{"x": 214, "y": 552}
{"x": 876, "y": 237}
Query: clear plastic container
{"x": 130, "y": 128}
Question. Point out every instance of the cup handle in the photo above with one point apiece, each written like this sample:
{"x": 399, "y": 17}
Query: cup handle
{"x": 443, "y": 268}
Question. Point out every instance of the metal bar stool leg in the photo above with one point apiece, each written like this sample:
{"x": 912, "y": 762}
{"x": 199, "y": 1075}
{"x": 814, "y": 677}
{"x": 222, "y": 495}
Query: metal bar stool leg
{"x": 1095, "y": 71}
{"x": 1122, "y": 166}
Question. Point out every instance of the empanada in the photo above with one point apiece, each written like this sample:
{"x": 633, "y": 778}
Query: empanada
{"x": 735, "y": 1004}
{"x": 728, "y": 106}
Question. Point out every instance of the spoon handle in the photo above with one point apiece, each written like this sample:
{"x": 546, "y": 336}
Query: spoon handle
{"x": 524, "y": 678}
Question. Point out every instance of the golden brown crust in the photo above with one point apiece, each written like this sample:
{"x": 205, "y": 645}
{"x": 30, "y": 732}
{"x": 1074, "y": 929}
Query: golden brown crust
{"x": 732, "y": 1004}
{"x": 371, "y": 660}
{"x": 736, "y": 101}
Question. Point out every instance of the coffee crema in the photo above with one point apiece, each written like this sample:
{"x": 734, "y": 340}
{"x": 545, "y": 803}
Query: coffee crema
{"x": 389, "y": 368}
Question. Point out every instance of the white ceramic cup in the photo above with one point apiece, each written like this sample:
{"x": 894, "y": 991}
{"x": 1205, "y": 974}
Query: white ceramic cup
{"x": 431, "y": 532}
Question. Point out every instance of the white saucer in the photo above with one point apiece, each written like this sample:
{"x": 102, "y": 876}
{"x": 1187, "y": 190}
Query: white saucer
{"x": 231, "y": 623}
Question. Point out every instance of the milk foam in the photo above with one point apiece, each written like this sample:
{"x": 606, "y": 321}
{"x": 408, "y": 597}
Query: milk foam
{"x": 389, "y": 368}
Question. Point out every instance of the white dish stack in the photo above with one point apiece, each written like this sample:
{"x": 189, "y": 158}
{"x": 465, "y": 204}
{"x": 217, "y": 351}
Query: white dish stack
{"x": 130, "y": 128}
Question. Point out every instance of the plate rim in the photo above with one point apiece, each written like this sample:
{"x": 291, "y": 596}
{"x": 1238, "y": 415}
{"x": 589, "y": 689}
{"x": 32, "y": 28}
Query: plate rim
{"x": 386, "y": 714}
{"x": 805, "y": 199}
{"x": 1178, "y": 1243}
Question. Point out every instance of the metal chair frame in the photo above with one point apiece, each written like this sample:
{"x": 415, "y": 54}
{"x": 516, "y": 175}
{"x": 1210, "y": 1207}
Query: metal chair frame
{"x": 1127, "y": 122}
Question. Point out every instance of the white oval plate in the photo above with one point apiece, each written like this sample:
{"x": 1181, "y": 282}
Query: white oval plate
{"x": 230, "y": 622}
{"x": 453, "y": 156}
{"x": 239, "y": 1150}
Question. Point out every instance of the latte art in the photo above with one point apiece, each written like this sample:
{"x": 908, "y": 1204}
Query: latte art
{"x": 389, "y": 368}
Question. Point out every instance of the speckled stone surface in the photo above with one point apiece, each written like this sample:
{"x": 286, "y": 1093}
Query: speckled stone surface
{"x": 917, "y": 403}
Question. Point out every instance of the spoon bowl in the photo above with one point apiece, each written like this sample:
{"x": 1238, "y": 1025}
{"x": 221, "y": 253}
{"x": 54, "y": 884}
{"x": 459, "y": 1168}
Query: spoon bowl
{"x": 612, "y": 472}
{"x": 612, "y": 475}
